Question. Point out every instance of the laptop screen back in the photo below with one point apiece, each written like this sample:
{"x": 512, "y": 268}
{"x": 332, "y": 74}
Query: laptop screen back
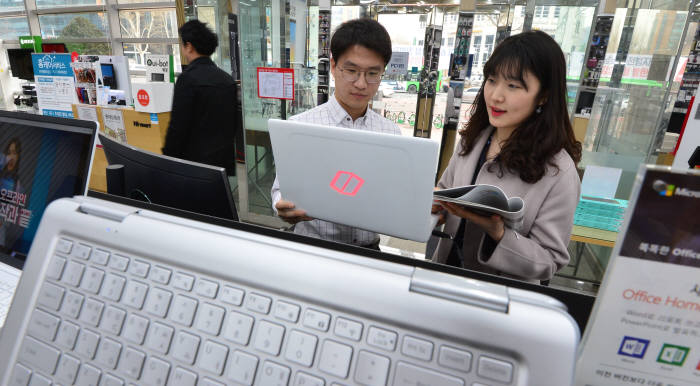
{"x": 41, "y": 159}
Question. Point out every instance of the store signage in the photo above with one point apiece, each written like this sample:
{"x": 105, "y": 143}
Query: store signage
{"x": 143, "y": 97}
{"x": 645, "y": 326}
{"x": 33, "y": 42}
{"x": 276, "y": 83}
{"x": 161, "y": 65}
{"x": 398, "y": 63}
{"x": 55, "y": 85}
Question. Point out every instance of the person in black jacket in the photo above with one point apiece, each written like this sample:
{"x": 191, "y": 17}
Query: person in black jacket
{"x": 202, "y": 125}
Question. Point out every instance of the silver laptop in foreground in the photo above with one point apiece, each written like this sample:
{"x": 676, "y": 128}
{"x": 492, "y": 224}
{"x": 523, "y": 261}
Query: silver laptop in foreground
{"x": 374, "y": 181}
{"x": 114, "y": 295}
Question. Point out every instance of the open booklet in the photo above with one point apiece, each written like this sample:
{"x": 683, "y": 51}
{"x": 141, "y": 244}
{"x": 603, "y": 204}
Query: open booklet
{"x": 486, "y": 200}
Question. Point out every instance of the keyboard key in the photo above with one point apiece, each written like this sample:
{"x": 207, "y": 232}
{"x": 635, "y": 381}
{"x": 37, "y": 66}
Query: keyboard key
{"x": 87, "y": 344}
{"x": 135, "y": 329}
{"x": 268, "y": 338}
{"x": 209, "y": 319}
{"x": 287, "y": 311}
{"x": 72, "y": 304}
{"x": 274, "y": 374}
{"x": 67, "y": 335}
{"x": 92, "y": 280}
{"x": 119, "y": 262}
{"x": 43, "y": 325}
{"x": 335, "y": 359}
{"x": 410, "y": 375}
{"x": 131, "y": 363}
{"x": 384, "y": 339}
{"x": 495, "y": 369}
{"x": 455, "y": 359}
{"x": 238, "y": 328}
{"x": 185, "y": 347}
{"x": 258, "y": 303}
{"x": 81, "y": 251}
{"x": 56, "y": 267}
{"x": 346, "y": 328}
{"x": 301, "y": 348}
{"x": 64, "y": 246}
{"x": 113, "y": 320}
{"x": 160, "y": 275}
{"x": 39, "y": 380}
{"x": 108, "y": 353}
{"x": 111, "y": 380}
{"x": 155, "y": 372}
{"x": 183, "y": 281}
{"x": 159, "y": 337}
{"x": 51, "y": 296}
{"x": 417, "y": 348}
{"x": 303, "y": 379}
{"x": 371, "y": 369}
{"x": 92, "y": 312}
{"x": 209, "y": 382}
{"x": 232, "y": 295}
{"x": 182, "y": 377}
{"x": 183, "y": 310}
{"x": 20, "y": 376}
{"x": 42, "y": 356}
{"x": 317, "y": 320}
{"x": 67, "y": 369}
{"x": 99, "y": 256}
{"x": 242, "y": 368}
{"x": 135, "y": 294}
{"x": 206, "y": 288}
{"x": 73, "y": 273}
{"x": 113, "y": 287}
{"x": 158, "y": 302}
{"x": 88, "y": 375}
{"x": 212, "y": 357}
{"x": 139, "y": 268}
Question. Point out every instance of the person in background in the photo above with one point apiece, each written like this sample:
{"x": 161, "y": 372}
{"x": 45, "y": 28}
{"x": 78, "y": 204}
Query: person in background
{"x": 9, "y": 179}
{"x": 202, "y": 125}
{"x": 520, "y": 139}
{"x": 360, "y": 52}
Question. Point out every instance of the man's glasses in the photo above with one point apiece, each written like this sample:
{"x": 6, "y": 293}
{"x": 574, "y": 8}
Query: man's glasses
{"x": 352, "y": 75}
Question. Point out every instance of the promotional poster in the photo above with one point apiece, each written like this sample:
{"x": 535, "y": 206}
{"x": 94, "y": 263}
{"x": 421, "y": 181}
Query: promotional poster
{"x": 645, "y": 327}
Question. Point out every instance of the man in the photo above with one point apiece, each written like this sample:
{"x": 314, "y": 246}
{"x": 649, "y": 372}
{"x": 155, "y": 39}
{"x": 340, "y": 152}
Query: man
{"x": 360, "y": 51}
{"x": 202, "y": 124}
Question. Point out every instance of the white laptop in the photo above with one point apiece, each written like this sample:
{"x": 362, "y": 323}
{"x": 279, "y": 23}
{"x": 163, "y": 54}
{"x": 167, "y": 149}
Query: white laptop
{"x": 116, "y": 295}
{"x": 373, "y": 181}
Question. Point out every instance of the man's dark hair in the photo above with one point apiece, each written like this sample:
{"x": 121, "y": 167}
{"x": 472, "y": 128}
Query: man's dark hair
{"x": 200, "y": 36}
{"x": 365, "y": 32}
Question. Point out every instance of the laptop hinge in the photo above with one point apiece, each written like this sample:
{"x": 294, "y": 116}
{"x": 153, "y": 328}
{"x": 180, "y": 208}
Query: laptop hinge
{"x": 467, "y": 291}
{"x": 104, "y": 212}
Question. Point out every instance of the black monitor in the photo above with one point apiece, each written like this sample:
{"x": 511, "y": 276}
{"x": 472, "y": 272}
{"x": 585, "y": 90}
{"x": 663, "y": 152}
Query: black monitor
{"x": 41, "y": 159}
{"x": 58, "y": 48}
{"x": 168, "y": 181}
{"x": 108, "y": 77}
{"x": 21, "y": 62}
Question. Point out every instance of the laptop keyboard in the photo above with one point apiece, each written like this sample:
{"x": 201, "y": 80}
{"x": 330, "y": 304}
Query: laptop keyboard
{"x": 104, "y": 317}
{"x": 9, "y": 277}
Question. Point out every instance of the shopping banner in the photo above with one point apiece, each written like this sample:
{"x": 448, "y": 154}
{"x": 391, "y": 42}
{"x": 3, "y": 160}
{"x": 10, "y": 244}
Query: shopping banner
{"x": 645, "y": 325}
{"x": 55, "y": 86}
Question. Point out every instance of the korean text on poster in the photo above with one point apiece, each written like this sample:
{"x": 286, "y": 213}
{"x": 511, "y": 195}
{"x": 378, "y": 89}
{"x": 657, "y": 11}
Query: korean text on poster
{"x": 277, "y": 83}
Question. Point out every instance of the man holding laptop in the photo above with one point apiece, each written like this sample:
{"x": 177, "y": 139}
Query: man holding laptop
{"x": 360, "y": 51}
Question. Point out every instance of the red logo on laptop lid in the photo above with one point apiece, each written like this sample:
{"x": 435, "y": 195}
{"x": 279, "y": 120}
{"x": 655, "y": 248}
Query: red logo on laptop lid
{"x": 346, "y": 183}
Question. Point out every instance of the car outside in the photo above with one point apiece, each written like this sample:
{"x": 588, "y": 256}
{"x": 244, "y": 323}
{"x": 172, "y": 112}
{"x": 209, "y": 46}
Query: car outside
{"x": 388, "y": 87}
{"x": 469, "y": 95}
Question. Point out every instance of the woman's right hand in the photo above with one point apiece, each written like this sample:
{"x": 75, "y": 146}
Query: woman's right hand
{"x": 286, "y": 210}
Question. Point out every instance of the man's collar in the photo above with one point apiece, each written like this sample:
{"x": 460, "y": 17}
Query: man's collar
{"x": 338, "y": 112}
{"x": 200, "y": 60}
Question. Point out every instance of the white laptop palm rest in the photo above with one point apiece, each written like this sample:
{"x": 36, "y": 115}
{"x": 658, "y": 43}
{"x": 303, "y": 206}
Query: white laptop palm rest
{"x": 112, "y": 295}
{"x": 374, "y": 181}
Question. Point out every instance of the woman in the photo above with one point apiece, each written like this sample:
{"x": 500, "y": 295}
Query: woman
{"x": 520, "y": 139}
{"x": 9, "y": 179}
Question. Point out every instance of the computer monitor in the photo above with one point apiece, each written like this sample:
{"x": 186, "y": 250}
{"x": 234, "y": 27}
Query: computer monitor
{"x": 108, "y": 77}
{"x": 58, "y": 48}
{"x": 21, "y": 62}
{"x": 41, "y": 159}
{"x": 169, "y": 181}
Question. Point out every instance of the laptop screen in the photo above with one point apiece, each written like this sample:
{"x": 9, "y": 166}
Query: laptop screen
{"x": 41, "y": 159}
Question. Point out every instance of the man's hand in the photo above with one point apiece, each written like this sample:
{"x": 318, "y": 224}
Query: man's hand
{"x": 493, "y": 225}
{"x": 287, "y": 212}
{"x": 440, "y": 211}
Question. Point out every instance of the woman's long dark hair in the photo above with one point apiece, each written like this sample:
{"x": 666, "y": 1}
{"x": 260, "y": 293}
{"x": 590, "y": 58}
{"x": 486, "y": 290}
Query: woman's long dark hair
{"x": 532, "y": 146}
{"x": 5, "y": 172}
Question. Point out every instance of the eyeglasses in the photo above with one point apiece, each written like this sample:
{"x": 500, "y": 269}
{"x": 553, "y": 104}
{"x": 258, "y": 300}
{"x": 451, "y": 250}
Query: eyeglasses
{"x": 352, "y": 75}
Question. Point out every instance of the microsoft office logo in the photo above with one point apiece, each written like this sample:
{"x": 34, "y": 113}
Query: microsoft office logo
{"x": 663, "y": 188}
{"x": 346, "y": 183}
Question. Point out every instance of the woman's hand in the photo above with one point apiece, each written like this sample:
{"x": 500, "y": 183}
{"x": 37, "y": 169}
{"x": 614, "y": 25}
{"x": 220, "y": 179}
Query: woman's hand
{"x": 493, "y": 225}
